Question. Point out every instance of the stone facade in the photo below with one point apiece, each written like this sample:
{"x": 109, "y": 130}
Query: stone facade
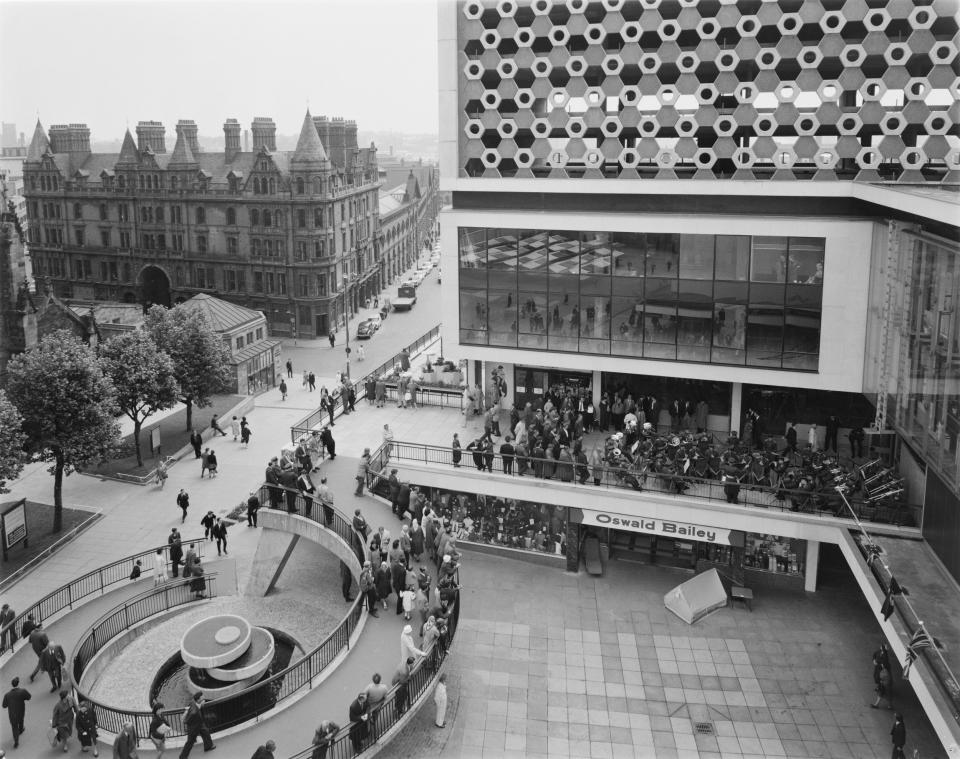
{"x": 274, "y": 231}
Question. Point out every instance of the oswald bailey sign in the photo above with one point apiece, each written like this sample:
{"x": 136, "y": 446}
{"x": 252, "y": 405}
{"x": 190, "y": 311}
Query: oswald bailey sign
{"x": 666, "y": 527}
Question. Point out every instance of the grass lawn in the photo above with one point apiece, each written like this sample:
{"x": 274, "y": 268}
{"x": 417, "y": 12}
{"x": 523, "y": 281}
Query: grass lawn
{"x": 39, "y": 535}
{"x": 173, "y": 436}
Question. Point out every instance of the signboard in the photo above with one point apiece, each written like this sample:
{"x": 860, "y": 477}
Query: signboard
{"x": 13, "y": 524}
{"x": 667, "y": 527}
{"x": 155, "y": 439}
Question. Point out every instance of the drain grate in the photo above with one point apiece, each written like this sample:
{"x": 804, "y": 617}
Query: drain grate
{"x": 703, "y": 728}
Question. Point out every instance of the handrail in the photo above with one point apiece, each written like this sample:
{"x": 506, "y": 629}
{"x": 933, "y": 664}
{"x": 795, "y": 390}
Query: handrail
{"x": 400, "y": 699}
{"x": 95, "y": 581}
{"x": 749, "y": 494}
{"x": 48, "y": 551}
{"x": 120, "y": 618}
{"x": 258, "y": 698}
{"x": 305, "y": 425}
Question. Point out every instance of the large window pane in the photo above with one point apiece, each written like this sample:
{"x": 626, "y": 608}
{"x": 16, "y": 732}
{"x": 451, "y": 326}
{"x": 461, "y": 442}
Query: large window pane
{"x": 627, "y": 327}
{"x": 533, "y": 319}
{"x": 532, "y": 250}
{"x": 696, "y": 256}
{"x": 662, "y": 255}
{"x": 595, "y": 253}
{"x": 765, "y": 326}
{"x": 806, "y": 260}
{"x": 729, "y": 333}
{"x": 628, "y": 254}
{"x": 473, "y": 316}
{"x": 733, "y": 257}
{"x": 769, "y": 260}
{"x": 694, "y": 320}
{"x": 564, "y": 305}
{"x": 564, "y": 253}
{"x": 595, "y": 324}
{"x": 502, "y": 318}
{"x": 473, "y": 249}
{"x": 801, "y": 337}
{"x": 502, "y": 250}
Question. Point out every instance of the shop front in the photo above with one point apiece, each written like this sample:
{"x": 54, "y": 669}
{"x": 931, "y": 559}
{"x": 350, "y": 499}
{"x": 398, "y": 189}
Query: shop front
{"x": 749, "y": 559}
{"x": 533, "y": 384}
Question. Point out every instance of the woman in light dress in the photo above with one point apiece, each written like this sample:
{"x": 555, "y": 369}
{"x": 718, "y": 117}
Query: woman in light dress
{"x": 440, "y": 700}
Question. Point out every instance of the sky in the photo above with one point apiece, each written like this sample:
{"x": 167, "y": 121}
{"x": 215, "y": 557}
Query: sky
{"x": 112, "y": 64}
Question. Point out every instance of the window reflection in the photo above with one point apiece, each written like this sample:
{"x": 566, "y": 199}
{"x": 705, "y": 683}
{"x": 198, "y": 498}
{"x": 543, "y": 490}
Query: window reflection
{"x": 728, "y": 299}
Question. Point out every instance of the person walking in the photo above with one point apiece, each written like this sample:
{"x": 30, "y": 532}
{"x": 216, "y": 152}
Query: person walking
{"x": 208, "y": 521}
{"x": 359, "y": 721}
{"x": 253, "y": 506}
{"x": 87, "y": 727}
{"x": 440, "y": 701}
{"x": 196, "y": 440}
{"x": 407, "y": 646}
{"x": 204, "y": 462}
{"x": 332, "y": 338}
{"x": 162, "y": 475}
{"x": 884, "y": 688}
{"x": 196, "y": 726}
{"x": 8, "y": 632}
{"x": 312, "y": 381}
{"x": 38, "y": 642}
{"x": 235, "y": 428}
{"x": 159, "y": 729}
{"x": 51, "y": 661}
{"x": 898, "y": 736}
{"x": 384, "y": 580}
{"x": 125, "y": 744}
{"x": 362, "y": 471}
{"x": 159, "y": 568}
{"x": 220, "y": 535}
{"x": 61, "y": 721}
{"x": 15, "y": 702}
{"x": 245, "y": 433}
{"x": 361, "y": 353}
{"x": 323, "y": 738}
{"x": 215, "y": 426}
{"x": 212, "y": 464}
{"x": 183, "y": 501}
{"x": 289, "y": 368}
{"x": 283, "y": 390}
{"x": 326, "y": 438}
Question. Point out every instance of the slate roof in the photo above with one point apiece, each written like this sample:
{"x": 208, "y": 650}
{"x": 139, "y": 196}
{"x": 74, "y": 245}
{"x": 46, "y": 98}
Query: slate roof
{"x": 254, "y": 349}
{"x": 128, "y": 151}
{"x": 309, "y": 147}
{"x": 221, "y": 315}
{"x": 182, "y": 155}
{"x": 39, "y": 144}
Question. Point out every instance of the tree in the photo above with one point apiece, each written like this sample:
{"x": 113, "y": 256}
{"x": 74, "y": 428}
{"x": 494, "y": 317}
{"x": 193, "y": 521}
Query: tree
{"x": 12, "y": 441}
{"x": 68, "y": 408}
{"x": 142, "y": 377}
{"x": 200, "y": 359}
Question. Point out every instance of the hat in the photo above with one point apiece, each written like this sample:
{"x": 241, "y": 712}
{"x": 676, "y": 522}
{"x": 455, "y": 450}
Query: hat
{"x": 446, "y": 558}
{"x": 407, "y": 629}
{"x": 366, "y": 564}
{"x": 647, "y": 426}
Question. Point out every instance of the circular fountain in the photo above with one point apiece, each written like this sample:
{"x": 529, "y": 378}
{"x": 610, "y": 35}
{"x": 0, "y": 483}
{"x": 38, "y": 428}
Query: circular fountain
{"x": 225, "y": 655}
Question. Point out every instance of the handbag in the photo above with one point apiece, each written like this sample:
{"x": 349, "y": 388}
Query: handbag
{"x": 52, "y": 737}
{"x": 407, "y": 396}
{"x": 163, "y": 730}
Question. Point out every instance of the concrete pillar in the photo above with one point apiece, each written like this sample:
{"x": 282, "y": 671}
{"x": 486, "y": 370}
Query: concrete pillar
{"x": 736, "y": 405}
{"x": 597, "y": 376}
{"x": 810, "y": 570}
{"x": 573, "y": 547}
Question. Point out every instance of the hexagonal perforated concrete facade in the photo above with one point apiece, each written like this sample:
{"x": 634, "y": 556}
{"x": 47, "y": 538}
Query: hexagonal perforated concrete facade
{"x": 743, "y": 89}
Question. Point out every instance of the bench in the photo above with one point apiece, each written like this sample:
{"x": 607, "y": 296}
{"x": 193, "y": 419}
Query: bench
{"x": 744, "y": 595}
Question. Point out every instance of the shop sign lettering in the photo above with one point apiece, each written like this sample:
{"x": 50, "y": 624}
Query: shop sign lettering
{"x": 666, "y": 527}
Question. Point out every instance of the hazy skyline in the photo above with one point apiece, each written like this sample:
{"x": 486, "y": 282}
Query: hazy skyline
{"x": 112, "y": 64}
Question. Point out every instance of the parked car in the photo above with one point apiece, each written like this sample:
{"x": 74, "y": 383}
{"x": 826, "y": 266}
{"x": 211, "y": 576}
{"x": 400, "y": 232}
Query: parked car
{"x": 366, "y": 329}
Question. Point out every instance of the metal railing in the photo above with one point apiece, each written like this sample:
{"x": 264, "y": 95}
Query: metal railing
{"x": 353, "y": 739}
{"x": 819, "y": 503}
{"x": 95, "y": 582}
{"x": 113, "y": 623}
{"x": 315, "y": 418}
{"x": 264, "y": 695}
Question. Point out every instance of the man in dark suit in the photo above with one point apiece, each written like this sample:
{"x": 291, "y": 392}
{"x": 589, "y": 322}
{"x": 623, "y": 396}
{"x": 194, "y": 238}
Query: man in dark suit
{"x": 38, "y": 642}
{"x": 51, "y": 661}
{"x": 9, "y": 631}
{"x": 196, "y": 440}
{"x": 196, "y": 725}
{"x": 359, "y": 721}
{"x": 15, "y": 702}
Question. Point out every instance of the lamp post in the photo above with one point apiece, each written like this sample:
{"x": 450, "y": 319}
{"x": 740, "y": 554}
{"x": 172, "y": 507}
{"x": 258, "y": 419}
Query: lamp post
{"x": 293, "y": 325}
{"x": 346, "y": 320}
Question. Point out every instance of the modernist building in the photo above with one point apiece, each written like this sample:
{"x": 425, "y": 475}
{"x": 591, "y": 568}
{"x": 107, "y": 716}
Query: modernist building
{"x": 753, "y": 205}
{"x": 279, "y": 232}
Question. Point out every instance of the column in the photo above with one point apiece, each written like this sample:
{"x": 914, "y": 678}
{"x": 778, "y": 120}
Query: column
{"x": 597, "y": 378}
{"x": 810, "y": 568}
{"x": 573, "y": 546}
{"x": 736, "y": 405}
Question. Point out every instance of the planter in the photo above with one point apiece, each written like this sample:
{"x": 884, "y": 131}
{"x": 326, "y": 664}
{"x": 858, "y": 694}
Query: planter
{"x": 429, "y": 378}
{"x": 450, "y": 379}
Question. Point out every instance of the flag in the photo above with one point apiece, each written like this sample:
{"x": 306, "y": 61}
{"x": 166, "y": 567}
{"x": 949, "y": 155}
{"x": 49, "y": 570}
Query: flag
{"x": 886, "y": 608}
{"x": 895, "y": 589}
{"x": 921, "y": 639}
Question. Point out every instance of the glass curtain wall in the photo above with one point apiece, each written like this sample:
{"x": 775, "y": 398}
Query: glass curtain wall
{"x": 928, "y": 404}
{"x": 721, "y": 299}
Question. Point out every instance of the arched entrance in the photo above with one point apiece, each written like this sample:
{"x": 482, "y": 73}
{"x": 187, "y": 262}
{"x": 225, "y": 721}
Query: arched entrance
{"x": 155, "y": 286}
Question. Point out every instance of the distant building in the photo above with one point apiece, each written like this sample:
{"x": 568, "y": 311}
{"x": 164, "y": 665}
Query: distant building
{"x": 254, "y": 358}
{"x": 279, "y": 232}
{"x": 394, "y": 173}
{"x": 399, "y": 227}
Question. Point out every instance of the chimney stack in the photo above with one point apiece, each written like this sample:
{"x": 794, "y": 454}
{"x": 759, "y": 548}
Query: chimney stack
{"x": 59, "y": 135}
{"x": 264, "y": 134}
{"x": 188, "y": 128}
{"x": 337, "y": 141}
{"x": 151, "y": 134}
{"x": 231, "y": 139}
{"x": 350, "y": 135}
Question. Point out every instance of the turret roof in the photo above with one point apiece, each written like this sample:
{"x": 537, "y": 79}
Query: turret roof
{"x": 39, "y": 145}
{"x": 309, "y": 147}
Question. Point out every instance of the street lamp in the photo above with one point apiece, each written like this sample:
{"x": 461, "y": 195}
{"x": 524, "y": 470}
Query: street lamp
{"x": 346, "y": 320}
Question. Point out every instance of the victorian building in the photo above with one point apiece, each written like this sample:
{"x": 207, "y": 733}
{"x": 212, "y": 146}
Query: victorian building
{"x": 279, "y": 232}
